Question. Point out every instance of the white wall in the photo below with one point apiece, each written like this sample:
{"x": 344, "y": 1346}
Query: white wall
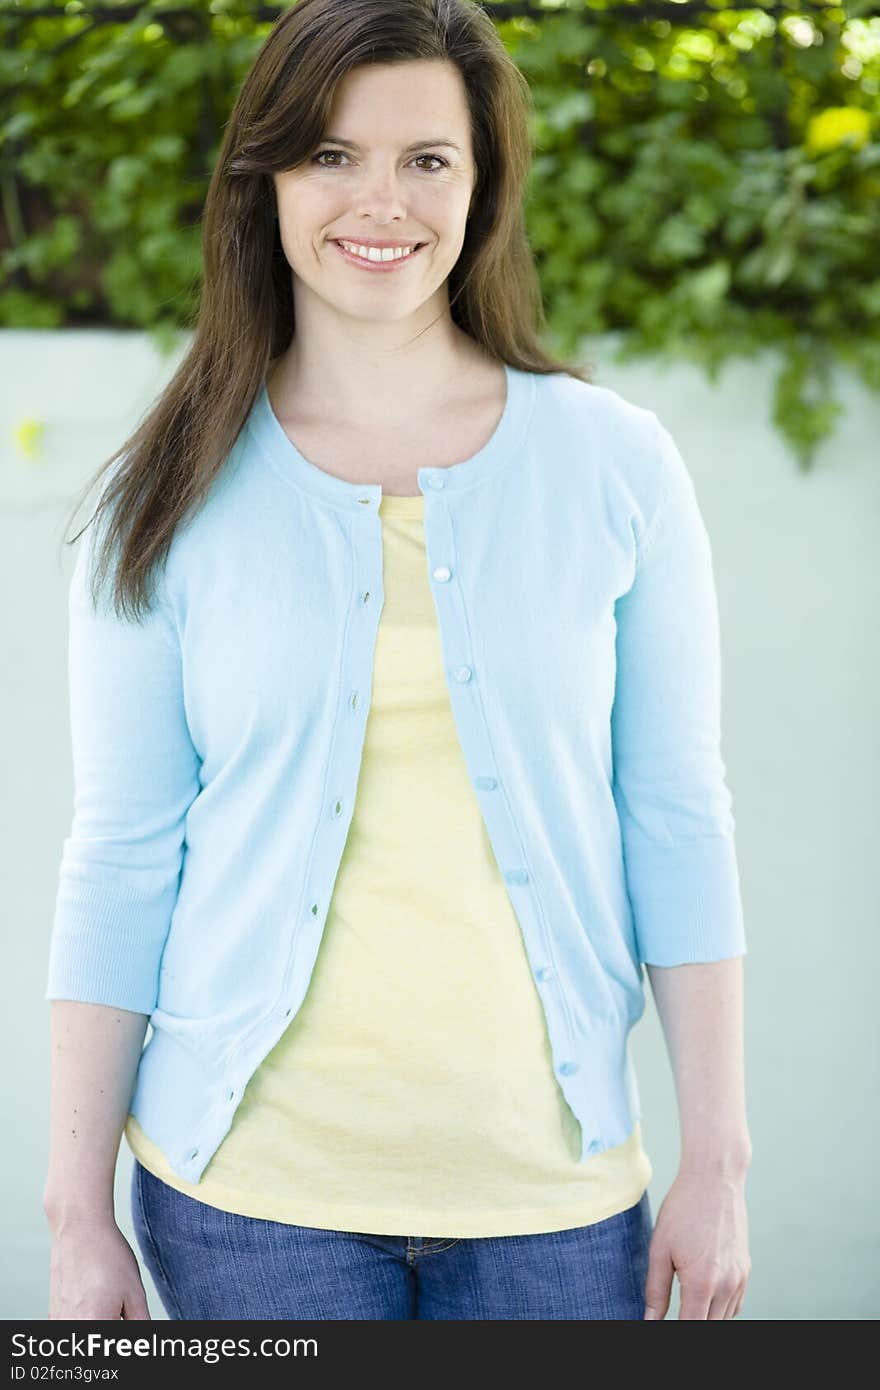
{"x": 798, "y": 583}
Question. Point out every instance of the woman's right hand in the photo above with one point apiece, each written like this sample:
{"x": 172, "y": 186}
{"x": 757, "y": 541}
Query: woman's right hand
{"x": 94, "y": 1274}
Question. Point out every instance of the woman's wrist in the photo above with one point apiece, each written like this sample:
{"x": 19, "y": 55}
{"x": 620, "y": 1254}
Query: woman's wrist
{"x": 64, "y": 1210}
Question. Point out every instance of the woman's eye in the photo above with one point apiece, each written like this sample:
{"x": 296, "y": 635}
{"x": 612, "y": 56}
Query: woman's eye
{"x": 321, "y": 153}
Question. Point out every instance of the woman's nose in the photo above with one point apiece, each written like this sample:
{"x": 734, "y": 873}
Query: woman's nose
{"x": 381, "y": 194}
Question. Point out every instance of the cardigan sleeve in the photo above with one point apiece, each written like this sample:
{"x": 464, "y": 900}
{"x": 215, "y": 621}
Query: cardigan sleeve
{"x": 136, "y": 773}
{"x": 669, "y": 785}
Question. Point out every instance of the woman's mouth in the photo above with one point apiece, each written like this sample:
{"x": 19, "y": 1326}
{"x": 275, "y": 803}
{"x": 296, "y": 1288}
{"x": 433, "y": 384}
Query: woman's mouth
{"x": 367, "y": 263}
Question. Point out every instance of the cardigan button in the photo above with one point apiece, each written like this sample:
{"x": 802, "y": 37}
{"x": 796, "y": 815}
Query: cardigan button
{"x": 442, "y": 573}
{"x": 567, "y": 1068}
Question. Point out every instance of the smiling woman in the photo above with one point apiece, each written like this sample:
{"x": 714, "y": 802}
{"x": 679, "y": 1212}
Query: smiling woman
{"x": 412, "y": 765}
{"x": 404, "y": 123}
{"x": 391, "y": 205}
{"x": 392, "y": 208}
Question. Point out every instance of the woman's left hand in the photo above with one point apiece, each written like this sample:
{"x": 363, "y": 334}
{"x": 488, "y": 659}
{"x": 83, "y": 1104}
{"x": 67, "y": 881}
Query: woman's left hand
{"x": 700, "y": 1234}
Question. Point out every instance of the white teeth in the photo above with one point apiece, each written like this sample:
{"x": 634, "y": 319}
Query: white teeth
{"x": 378, "y": 253}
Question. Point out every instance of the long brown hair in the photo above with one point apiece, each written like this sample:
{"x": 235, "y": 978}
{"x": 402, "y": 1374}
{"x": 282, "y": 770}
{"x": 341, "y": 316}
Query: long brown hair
{"x": 245, "y": 316}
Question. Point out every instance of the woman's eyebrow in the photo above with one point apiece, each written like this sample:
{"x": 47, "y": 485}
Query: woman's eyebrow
{"x": 416, "y": 145}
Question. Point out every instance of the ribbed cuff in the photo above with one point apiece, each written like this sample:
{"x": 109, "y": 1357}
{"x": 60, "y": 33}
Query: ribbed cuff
{"x": 686, "y": 901}
{"x": 107, "y": 943}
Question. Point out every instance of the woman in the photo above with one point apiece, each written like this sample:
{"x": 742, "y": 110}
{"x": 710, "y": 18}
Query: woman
{"x": 348, "y": 833}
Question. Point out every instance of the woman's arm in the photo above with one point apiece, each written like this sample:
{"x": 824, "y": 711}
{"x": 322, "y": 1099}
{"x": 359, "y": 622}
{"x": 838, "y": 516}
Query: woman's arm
{"x": 95, "y": 1055}
{"x": 700, "y": 1006}
{"x": 677, "y": 831}
{"x": 701, "y": 1231}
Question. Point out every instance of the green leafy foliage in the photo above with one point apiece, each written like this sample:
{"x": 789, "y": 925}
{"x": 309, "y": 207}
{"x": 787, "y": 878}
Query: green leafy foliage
{"x": 705, "y": 184}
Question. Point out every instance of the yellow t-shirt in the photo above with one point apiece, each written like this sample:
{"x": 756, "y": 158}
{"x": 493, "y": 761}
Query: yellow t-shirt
{"x": 414, "y": 1091}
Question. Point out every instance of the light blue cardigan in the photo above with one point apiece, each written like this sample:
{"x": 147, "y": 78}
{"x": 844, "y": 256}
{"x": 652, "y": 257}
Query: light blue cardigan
{"x": 217, "y": 745}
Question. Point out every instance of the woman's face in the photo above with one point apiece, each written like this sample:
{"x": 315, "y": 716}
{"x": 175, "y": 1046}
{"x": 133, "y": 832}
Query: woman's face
{"x": 396, "y": 165}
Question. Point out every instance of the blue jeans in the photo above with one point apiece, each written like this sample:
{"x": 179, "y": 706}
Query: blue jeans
{"x": 207, "y": 1263}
